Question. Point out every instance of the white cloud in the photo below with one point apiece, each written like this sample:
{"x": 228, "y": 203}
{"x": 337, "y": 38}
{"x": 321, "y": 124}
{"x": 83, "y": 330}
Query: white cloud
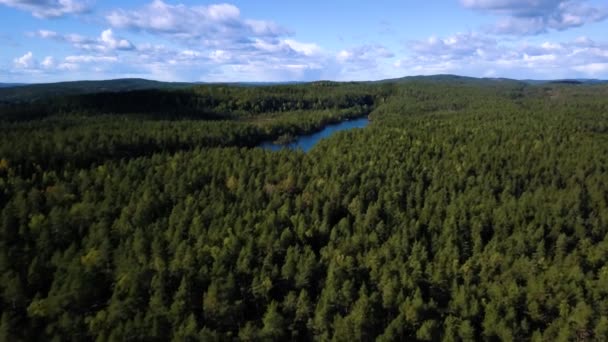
{"x": 364, "y": 55}
{"x": 477, "y": 55}
{"x": 524, "y": 17}
{"x": 284, "y": 47}
{"x": 584, "y": 40}
{"x": 211, "y": 24}
{"x": 47, "y": 34}
{"x": 539, "y": 58}
{"x": 263, "y": 60}
{"x": 344, "y": 55}
{"x": 107, "y": 41}
{"x": 220, "y": 56}
{"x": 48, "y": 62}
{"x": 593, "y": 69}
{"x": 25, "y": 62}
{"x": 268, "y": 46}
{"x": 68, "y": 66}
{"x": 307, "y": 49}
{"x": 29, "y": 65}
{"x": 48, "y": 8}
{"x": 77, "y": 39}
{"x": 191, "y": 54}
{"x": 456, "y": 46}
{"x": 551, "y": 46}
{"x": 263, "y": 71}
{"x": 364, "y": 62}
{"x": 89, "y": 59}
{"x": 211, "y": 42}
{"x": 218, "y": 40}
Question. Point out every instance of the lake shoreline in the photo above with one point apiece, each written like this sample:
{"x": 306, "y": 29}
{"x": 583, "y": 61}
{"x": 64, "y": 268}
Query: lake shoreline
{"x": 306, "y": 141}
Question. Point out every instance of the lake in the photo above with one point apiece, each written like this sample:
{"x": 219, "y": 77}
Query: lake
{"x": 306, "y": 142}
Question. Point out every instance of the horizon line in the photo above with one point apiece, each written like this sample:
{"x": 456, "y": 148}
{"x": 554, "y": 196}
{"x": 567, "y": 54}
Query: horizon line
{"x": 307, "y": 81}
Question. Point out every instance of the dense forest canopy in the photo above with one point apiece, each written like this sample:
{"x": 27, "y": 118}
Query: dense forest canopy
{"x": 467, "y": 210}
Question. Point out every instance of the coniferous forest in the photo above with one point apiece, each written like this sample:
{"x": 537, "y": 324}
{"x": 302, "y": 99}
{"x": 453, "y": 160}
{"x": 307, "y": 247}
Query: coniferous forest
{"x": 466, "y": 210}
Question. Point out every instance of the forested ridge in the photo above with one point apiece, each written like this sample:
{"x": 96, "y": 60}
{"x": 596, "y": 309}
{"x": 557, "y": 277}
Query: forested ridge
{"x": 465, "y": 211}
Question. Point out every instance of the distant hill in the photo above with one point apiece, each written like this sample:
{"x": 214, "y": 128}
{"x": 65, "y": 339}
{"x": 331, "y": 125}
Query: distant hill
{"x": 20, "y": 93}
{"x": 10, "y": 85}
{"x": 33, "y": 92}
{"x": 454, "y": 79}
{"x": 447, "y": 78}
{"x": 567, "y": 81}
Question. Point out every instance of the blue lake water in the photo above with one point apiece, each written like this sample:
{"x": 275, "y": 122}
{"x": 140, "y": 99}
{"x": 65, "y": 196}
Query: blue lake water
{"x": 306, "y": 142}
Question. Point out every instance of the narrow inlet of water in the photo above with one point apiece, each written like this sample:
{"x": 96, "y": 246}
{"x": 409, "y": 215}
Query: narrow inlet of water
{"x": 306, "y": 142}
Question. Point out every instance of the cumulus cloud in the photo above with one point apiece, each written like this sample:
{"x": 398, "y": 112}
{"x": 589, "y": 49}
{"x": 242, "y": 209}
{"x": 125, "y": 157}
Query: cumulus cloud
{"x": 276, "y": 61}
{"x": 271, "y": 58}
{"x": 363, "y": 57}
{"x": 212, "y": 24}
{"x": 217, "y": 40}
{"x": 106, "y": 42}
{"x": 363, "y": 62}
{"x": 456, "y": 46}
{"x": 68, "y": 67}
{"x": 48, "y": 62}
{"x": 307, "y": 49}
{"x": 476, "y": 54}
{"x": 109, "y": 41}
{"x": 30, "y": 65}
{"x": 524, "y": 17}
{"x": 283, "y": 47}
{"x": 211, "y": 43}
{"x": 48, "y": 8}
{"x": 24, "y": 62}
{"x": 264, "y": 60}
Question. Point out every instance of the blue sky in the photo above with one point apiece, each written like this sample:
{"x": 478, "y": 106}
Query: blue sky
{"x": 59, "y": 40}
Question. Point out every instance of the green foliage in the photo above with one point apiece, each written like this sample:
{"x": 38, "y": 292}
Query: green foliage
{"x": 463, "y": 212}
